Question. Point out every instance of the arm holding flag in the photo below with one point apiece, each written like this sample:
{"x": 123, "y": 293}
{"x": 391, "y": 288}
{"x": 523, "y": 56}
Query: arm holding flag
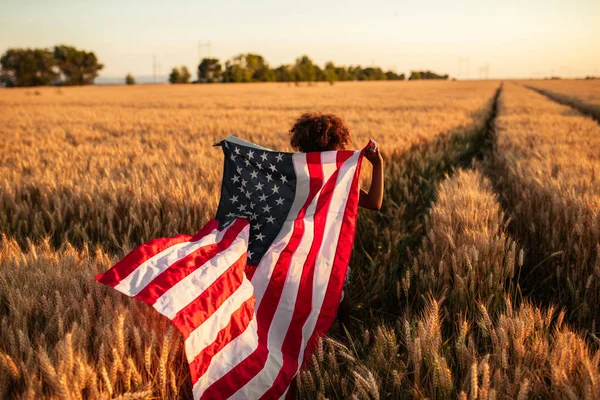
{"x": 372, "y": 200}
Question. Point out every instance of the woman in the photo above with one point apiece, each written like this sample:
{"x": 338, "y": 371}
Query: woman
{"x": 326, "y": 132}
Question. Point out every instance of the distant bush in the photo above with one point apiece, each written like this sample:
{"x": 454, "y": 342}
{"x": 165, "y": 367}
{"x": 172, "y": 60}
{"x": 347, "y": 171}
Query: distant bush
{"x": 129, "y": 80}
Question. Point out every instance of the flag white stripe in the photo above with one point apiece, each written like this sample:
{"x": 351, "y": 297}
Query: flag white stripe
{"x": 186, "y": 290}
{"x": 285, "y": 309}
{"x": 207, "y": 332}
{"x": 333, "y": 225}
{"x": 262, "y": 275}
{"x": 229, "y": 356}
{"x": 146, "y": 272}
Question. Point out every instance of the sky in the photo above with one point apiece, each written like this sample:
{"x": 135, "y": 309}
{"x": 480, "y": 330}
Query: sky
{"x": 514, "y": 39}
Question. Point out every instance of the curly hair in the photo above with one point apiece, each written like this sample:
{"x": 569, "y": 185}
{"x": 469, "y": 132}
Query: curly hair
{"x": 319, "y": 132}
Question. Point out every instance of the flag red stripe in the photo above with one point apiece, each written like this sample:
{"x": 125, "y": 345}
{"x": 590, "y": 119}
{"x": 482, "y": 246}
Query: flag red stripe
{"x": 203, "y": 306}
{"x": 188, "y": 264}
{"x": 293, "y": 338}
{"x": 146, "y": 251}
{"x": 242, "y": 373}
{"x": 340, "y": 266}
{"x": 237, "y": 325}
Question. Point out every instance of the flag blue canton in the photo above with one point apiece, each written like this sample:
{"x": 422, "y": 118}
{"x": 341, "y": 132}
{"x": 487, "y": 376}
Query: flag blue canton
{"x": 260, "y": 186}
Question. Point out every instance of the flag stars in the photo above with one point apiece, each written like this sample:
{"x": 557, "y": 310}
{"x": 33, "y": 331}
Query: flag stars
{"x": 262, "y": 197}
{"x": 251, "y": 154}
{"x": 234, "y": 199}
{"x": 257, "y": 226}
{"x": 237, "y": 150}
{"x": 269, "y": 177}
{"x": 230, "y": 215}
{"x": 260, "y": 236}
{"x": 250, "y": 254}
{"x": 270, "y": 220}
{"x": 283, "y": 179}
{"x": 267, "y": 208}
{"x": 272, "y": 168}
{"x": 235, "y": 179}
{"x": 247, "y": 162}
{"x": 242, "y": 208}
{"x": 279, "y": 157}
{"x": 275, "y": 189}
{"x": 252, "y": 205}
{"x": 239, "y": 170}
{"x": 232, "y": 156}
{"x": 253, "y": 174}
{"x": 279, "y": 201}
{"x": 264, "y": 156}
{"x": 259, "y": 186}
{"x": 244, "y": 182}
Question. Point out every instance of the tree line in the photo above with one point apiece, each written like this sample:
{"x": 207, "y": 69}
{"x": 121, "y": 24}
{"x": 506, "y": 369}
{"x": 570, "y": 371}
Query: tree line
{"x": 254, "y": 68}
{"x": 67, "y": 65}
{"x": 61, "y": 65}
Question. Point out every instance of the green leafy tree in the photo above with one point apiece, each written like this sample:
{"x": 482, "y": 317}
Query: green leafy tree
{"x": 210, "y": 70}
{"x": 355, "y": 73}
{"x": 304, "y": 70}
{"x": 235, "y": 70}
{"x": 392, "y": 76}
{"x": 77, "y": 67}
{"x": 175, "y": 75}
{"x": 284, "y": 73}
{"x": 27, "y": 67}
{"x": 129, "y": 80}
{"x": 372, "y": 74}
{"x": 248, "y": 68}
{"x": 416, "y": 75}
{"x": 180, "y": 75}
{"x": 330, "y": 73}
{"x": 343, "y": 74}
{"x": 185, "y": 75}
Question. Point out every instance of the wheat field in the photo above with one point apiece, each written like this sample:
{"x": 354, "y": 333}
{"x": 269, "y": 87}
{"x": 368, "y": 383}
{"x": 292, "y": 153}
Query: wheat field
{"x": 478, "y": 279}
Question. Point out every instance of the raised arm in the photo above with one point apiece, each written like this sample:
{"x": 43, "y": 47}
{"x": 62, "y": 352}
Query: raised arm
{"x": 372, "y": 200}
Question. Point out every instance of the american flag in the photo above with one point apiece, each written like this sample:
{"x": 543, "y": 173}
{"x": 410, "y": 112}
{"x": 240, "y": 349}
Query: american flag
{"x": 289, "y": 220}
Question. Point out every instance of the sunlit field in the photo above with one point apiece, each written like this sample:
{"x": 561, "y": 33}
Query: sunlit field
{"x": 478, "y": 279}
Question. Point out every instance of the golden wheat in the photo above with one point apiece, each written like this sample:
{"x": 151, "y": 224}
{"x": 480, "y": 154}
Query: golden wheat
{"x": 88, "y": 173}
{"x": 582, "y": 94}
{"x": 546, "y": 167}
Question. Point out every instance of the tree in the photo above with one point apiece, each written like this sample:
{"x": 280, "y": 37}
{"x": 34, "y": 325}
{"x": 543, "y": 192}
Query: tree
{"x": 304, "y": 70}
{"x": 175, "y": 75}
{"x": 248, "y": 68}
{"x": 330, "y": 73}
{"x": 129, "y": 80}
{"x": 416, "y": 75}
{"x": 185, "y": 75}
{"x": 210, "y": 70}
{"x": 180, "y": 75}
{"x": 27, "y": 67}
{"x": 284, "y": 73}
{"x": 392, "y": 76}
{"x": 77, "y": 67}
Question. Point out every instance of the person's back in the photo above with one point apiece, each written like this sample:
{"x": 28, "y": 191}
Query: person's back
{"x": 327, "y": 132}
